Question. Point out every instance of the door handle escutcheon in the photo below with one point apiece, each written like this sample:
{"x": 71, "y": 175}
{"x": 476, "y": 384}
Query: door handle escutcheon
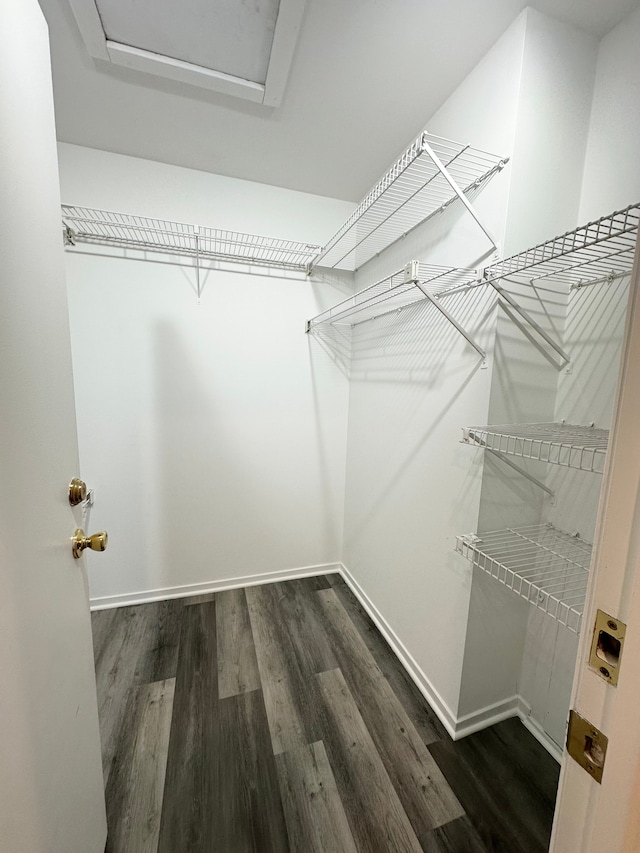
{"x": 97, "y": 542}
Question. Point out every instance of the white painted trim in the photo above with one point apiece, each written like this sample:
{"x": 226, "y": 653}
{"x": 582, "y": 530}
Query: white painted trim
{"x": 487, "y": 716}
{"x": 146, "y": 596}
{"x": 538, "y": 732}
{"x": 457, "y": 727}
{"x": 285, "y": 38}
{"x": 591, "y": 817}
{"x": 184, "y": 72}
{"x": 88, "y": 20}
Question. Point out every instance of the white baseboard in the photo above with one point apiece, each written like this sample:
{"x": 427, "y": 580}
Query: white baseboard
{"x": 444, "y": 713}
{"x": 487, "y": 716}
{"x": 457, "y": 727}
{"x": 538, "y": 732}
{"x": 186, "y": 590}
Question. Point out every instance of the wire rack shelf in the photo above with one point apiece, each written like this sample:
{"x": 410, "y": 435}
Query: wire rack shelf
{"x": 599, "y": 251}
{"x": 568, "y": 445}
{"x": 432, "y": 173}
{"x": 543, "y": 565}
{"x": 126, "y": 231}
{"x": 392, "y": 293}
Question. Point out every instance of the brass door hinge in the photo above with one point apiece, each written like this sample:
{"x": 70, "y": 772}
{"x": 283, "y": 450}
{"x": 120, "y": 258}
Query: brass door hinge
{"x": 587, "y": 745}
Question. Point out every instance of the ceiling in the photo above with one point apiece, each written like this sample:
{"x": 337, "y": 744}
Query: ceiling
{"x": 364, "y": 78}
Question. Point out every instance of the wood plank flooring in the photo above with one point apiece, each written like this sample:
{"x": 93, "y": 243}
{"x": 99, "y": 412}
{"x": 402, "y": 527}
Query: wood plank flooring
{"x": 276, "y": 718}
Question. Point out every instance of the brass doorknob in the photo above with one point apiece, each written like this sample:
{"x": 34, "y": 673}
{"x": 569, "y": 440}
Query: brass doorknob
{"x": 77, "y": 491}
{"x": 97, "y": 542}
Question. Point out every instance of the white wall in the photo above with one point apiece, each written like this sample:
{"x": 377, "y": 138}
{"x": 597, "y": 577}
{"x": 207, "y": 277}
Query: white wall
{"x": 592, "y": 335}
{"x": 231, "y": 396}
{"x": 411, "y": 487}
{"x": 558, "y": 71}
{"x": 213, "y": 434}
{"x": 552, "y": 128}
{"x": 612, "y": 166}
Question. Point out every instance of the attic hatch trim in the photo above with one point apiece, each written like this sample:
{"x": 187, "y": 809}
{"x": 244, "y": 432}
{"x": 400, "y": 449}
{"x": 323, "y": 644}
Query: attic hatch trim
{"x": 269, "y": 94}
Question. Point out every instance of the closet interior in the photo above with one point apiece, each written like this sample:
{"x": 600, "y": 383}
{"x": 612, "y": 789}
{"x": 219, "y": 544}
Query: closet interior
{"x": 459, "y": 369}
{"x": 543, "y": 564}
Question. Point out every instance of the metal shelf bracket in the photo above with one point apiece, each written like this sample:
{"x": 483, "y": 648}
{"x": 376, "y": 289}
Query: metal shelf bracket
{"x": 453, "y": 321}
{"x": 523, "y": 473}
{"x": 566, "y": 359}
{"x": 459, "y": 193}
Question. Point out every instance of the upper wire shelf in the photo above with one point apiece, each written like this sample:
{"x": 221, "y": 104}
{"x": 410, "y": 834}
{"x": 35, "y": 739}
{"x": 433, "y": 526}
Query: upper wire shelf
{"x": 392, "y": 293}
{"x": 601, "y": 250}
{"x": 430, "y": 174}
{"x": 123, "y": 230}
{"x": 415, "y": 283}
{"x": 540, "y": 563}
{"x": 568, "y": 445}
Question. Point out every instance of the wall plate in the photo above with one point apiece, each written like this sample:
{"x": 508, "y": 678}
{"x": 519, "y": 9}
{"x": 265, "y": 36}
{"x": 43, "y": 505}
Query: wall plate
{"x": 606, "y": 647}
{"x": 587, "y": 745}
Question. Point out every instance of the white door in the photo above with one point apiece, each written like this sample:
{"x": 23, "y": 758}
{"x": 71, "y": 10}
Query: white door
{"x": 51, "y": 796}
{"x": 591, "y": 818}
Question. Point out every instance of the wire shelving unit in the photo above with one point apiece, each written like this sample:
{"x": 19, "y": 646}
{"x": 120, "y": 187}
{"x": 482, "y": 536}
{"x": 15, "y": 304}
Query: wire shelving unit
{"x": 568, "y": 445}
{"x": 416, "y": 282}
{"x": 431, "y": 174}
{"x": 598, "y": 251}
{"x": 397, "y": 290}
{"x": 126, "y": 231}
{"x": 543, "y": 565}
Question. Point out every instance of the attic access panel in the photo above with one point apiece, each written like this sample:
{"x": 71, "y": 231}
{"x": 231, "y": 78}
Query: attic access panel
{"x": 226, "y": 36}
{"x": 239, "y": 49}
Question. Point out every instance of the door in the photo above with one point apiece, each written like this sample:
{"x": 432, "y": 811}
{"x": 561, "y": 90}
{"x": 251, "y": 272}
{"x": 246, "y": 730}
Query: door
{"x": 590, "y": 817}
{"x": 51, "y": 795}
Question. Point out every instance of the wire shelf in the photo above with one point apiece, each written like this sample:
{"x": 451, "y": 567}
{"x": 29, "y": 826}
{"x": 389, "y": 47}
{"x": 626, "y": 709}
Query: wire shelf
{"x": 598, "y": 251}
{"x": 539, "y": 563}
{"x": 392, "y": 293}
{"x": 413, "y": 189}
{"x": 123, "y": 230}
{"x": 569, "y": 445}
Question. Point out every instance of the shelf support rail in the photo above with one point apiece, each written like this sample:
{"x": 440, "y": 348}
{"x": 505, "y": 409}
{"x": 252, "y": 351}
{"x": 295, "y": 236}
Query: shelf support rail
{"x": 453, "y": 321}
{"x": 454, "y": 186}
{"x": 197, "y": 242}
{"x": 529, "y": 319}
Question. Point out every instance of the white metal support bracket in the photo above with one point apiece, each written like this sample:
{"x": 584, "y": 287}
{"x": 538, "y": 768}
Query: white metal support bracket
{"x": 454, "y": 186}
{"x": 197, "y": 242}
{"x": 566, "y": 359}
{"x": 453, "y": 322}
{"x": 522, "y": 471}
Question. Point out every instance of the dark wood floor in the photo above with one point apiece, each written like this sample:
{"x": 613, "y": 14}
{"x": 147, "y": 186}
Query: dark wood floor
{"x": 275, "y": 718}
